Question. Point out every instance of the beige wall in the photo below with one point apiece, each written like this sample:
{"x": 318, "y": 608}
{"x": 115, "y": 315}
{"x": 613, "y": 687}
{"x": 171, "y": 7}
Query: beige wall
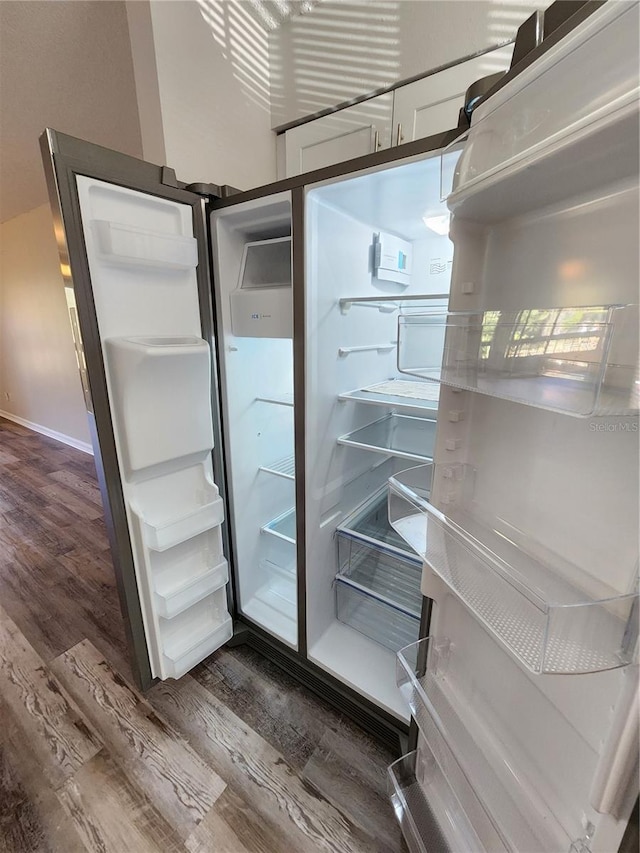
{"x": 342, "y": 50}
{"x": 212, "y": 65}
{"x": 38, "y": 368}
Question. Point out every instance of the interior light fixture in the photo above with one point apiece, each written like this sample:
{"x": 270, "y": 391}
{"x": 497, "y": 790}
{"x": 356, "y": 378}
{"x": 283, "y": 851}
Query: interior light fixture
{"x": 439, "y": 224}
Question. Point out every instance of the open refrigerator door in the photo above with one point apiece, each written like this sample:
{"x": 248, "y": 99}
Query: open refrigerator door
{"x": 525, "y": 690}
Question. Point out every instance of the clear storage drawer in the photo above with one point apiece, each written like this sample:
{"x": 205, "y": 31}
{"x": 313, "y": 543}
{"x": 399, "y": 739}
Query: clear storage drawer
{"x": 374, "y": 617}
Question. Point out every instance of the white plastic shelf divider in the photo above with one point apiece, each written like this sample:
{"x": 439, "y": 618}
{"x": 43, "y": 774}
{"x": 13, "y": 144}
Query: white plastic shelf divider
{"x": 277, "y": 399}
{"x": 536, "y": 606}
{"x": 285, "y": 468}
{"x": 389, "y": 304}
{"x": 408, "y": 497}
{"x": 497, "y": 804}
{"x": 395, "y": 435}
{"x": 577, "y": 360}
{"x": 429, "y": 814}
{"x": 171, "y": 602}
{"x": 398, "y": 394}
{"x": 162, "y": 535}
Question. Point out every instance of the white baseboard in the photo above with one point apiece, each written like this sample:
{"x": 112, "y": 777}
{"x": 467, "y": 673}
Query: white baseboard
{"x": 84, "y": 446}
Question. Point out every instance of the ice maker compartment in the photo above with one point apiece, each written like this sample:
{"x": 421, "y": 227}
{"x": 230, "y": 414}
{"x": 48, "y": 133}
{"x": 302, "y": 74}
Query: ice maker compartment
{"x": 262, "y": 304}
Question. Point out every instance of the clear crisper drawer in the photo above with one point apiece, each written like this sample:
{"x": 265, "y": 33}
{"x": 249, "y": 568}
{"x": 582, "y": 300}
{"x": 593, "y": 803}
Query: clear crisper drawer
{"x": 389, "y": 575}
{"x": 409, "y": 493}
{"x": 546, "y": 611}
{"x": 581, "y": 361}
{"x": 496, "y": 806}
{"x": 374, "y": 617}
{"x": 370, "y": 523}
{"x": 395, "y": 435}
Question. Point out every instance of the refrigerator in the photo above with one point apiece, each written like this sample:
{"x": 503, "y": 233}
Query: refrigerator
{"x": 379, "y": 421}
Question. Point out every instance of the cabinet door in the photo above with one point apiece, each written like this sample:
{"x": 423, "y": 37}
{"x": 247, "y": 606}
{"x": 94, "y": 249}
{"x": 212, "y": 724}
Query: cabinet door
{"x": 343, "y": 135}
{"x": 432, "y": 104}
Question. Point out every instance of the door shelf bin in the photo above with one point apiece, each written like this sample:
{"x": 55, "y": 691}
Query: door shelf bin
{"x": 382, "y": 622}
{"x": 191, "y": 635}
{"x": 409, "y": 493}
{"x": 395, "y": 435}
{"x": 497, "y": 804}
{"x": 178, "y": 660}
{"x": 550, "y": 624}
{"x": 429, "y": 814}
{"x": 579, "y": 361}
{"x": 160, "y": 536}
{"x": 171, "y": 602}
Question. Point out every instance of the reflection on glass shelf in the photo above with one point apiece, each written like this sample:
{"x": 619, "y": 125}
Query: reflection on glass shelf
{"x": 409, "y": 493}
{"x": 546, "y": 611}
{"x": 284, "y": 526}
{"x": 395, "y": 435}
{"x": 397, "y": 393}
{"x": 396, "y": 302}
{"x": 581, "y": 361}
{"x": 282, "y": 468}
{"x": 495, "y": 805}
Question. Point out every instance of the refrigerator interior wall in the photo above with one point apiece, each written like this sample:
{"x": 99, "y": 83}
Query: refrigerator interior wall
{"x": 142, "y": 258}
{"x": 567, "y": 485}
{"x": 257, "y": 402}
{"x": 359, "y": 430}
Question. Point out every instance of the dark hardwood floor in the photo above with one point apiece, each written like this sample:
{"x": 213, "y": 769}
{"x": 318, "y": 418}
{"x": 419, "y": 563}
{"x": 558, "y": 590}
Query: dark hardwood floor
{"x": 235, "y": 757}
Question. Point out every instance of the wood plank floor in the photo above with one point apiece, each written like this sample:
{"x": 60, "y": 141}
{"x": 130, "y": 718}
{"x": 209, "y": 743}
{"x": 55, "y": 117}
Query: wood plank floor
{"x": 235, "y": 757}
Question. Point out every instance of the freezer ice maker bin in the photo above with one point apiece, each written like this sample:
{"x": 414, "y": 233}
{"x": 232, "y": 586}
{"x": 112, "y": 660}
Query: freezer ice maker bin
{"x": 262, "y": 303}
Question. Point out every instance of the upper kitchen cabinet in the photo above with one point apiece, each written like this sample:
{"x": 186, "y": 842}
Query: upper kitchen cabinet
{"x": 414, "y": 111}
{"x": 352, "y": 132}
{"x": 432, "y": 104}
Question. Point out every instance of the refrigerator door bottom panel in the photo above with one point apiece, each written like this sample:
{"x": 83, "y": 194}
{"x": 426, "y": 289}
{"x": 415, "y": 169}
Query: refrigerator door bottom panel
{"x": 427, "y": 809}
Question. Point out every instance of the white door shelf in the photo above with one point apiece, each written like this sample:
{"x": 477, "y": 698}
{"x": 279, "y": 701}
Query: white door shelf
{"x": 395, "y": 435}
{"x": 409, "y": 493}
{"x": 375, "y": 617}
{"x": 161, "y": 535}
{"x": 569, "y": 360}
{"x": 190, "y": 636}
{"x": 181, "y": 656}
{"x": 397, "y": 394}
{"x": 285, "y": 467}
{"x": 171, "y": 601}
{"x": 537, "y": 606}
{"x": 496, "y": 806}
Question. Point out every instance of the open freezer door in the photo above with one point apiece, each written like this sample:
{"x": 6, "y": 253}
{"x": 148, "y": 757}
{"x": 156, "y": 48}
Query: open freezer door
{"x": 136, "y": 273}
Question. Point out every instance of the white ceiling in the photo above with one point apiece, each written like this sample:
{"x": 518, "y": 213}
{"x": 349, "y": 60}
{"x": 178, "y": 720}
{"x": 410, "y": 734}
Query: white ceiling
{"x": 65, "y": 65}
